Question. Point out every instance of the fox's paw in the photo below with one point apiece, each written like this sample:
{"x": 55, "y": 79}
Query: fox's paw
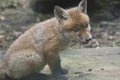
{"x": 63, "y": 71}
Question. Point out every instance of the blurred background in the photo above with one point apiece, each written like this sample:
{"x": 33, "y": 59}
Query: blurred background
{"x": 16, "y": 16}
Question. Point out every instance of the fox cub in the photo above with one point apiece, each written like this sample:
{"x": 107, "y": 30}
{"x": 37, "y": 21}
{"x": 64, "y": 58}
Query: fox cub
{"x": 41, "y": 44}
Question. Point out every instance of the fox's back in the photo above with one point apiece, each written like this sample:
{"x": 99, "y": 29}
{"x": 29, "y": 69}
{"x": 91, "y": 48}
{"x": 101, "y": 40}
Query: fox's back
{"x": 35, "y": 38}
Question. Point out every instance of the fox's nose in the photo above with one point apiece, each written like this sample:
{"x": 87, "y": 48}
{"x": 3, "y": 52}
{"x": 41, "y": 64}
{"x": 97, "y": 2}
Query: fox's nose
{"x": 89, "y": 39}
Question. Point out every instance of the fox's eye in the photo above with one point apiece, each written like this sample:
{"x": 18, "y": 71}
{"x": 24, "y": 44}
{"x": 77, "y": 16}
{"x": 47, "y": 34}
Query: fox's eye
{"x": 75, "y": 29}
{"x": 85, "y": 25}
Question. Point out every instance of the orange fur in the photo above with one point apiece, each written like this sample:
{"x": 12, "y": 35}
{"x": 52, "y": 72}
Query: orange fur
{"x": 41, "y": 44}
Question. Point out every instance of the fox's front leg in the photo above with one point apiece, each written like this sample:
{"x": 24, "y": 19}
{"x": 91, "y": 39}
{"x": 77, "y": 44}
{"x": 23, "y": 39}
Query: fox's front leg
{"x": 59, "y": 68}
{"x": 55, "y": 66}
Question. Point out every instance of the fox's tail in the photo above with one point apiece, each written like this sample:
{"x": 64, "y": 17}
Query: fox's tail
{"x": 3, "y": 70}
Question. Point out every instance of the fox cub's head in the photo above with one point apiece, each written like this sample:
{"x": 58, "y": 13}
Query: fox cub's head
{"x": 74, "y": 23}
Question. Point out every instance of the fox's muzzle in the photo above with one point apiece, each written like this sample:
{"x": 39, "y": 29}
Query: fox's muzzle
{"x": 85, "y": 40}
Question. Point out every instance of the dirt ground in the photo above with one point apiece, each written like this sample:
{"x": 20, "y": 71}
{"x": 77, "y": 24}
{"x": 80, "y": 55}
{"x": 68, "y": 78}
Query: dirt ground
{"x": 92, "y": 64}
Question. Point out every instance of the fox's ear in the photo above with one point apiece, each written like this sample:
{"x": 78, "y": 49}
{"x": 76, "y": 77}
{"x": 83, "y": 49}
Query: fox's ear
{"x": 60, "y": 13}
{"x": 83, "y": 6}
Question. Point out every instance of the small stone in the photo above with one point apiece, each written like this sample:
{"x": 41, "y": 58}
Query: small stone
{"x": 1, "y": 36}
{"x": 90, "y": 70}
{"x": 77, "y": 72}
{"x": 2, "y": 32}
{"x": 16, "y": 33}
{"x": 111, "y": 37}
{"x": 117, "y": 33}
{"x": 102, "y": 69}
{"x": 118, "y": 53}
{"x": 2, "y": 18}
